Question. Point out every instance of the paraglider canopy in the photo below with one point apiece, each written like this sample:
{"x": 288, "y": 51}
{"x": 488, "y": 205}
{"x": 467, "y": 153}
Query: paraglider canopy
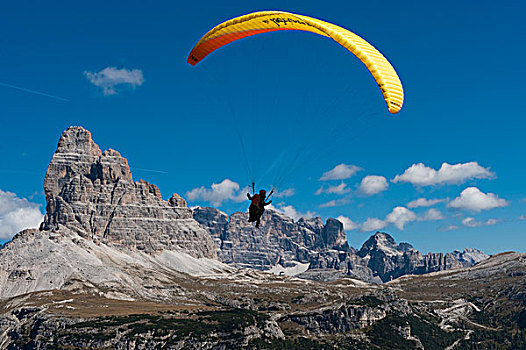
{"x": 267, "y": 21}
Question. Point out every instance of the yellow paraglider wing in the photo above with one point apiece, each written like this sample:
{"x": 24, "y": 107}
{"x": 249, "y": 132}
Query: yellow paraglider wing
{"x": 267, "y": 21}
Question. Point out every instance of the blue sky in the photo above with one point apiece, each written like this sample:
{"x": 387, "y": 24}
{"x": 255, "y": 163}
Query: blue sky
{"x": 179, "y": 126}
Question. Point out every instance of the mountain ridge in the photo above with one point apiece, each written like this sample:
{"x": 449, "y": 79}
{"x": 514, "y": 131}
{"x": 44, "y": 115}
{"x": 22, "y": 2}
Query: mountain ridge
{"x": 98, "y": 224}
{"x": 93, "y": 202}
{"x": 95, "y": 207}
{"x": 90, "y": 277}
{"x": 281, "y": 240}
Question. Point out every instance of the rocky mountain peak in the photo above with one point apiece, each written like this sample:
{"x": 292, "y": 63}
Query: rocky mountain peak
{"x": 333, "y": 235}
{"x": 76, "y": 139}
{"x": 92, "y": 193}
{"x": 380, "y": 242}
{"x": 315, "y": 223}
{"x": 390, "y": 260}
{"x": 177, "y": 201}
{"x": 470, "y": 256}
{"x": 104, "y": 233}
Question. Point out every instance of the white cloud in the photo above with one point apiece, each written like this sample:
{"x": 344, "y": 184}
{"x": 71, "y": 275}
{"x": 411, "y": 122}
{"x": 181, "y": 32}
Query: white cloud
{"x": 110, "y": 77}
{"x": 348, "y": 224}
{"x": 337, "y": 189}
{"x": 423, "y": 202}
{"x": 372, "y": 224}
{"x": 218, "y": 193}
{"x": 400, "y": 216}
{"x": 522, "y": 217}
{"x": 431, "y": 215}
{"x": 285, "y": 193}
{"x": 17, "y": 214}
{"x": 471, "y": 222}
{"x": 448, "y": 228}
{"x": 421, "y": 175}
{"x": 340, "y": 172}
{"x": 241, "y": 196}
{"x": 373, "y": 184}
{"x": 290, "y": 211}
{"x": 334, "y": 203}
{"x": 473, "y": 199}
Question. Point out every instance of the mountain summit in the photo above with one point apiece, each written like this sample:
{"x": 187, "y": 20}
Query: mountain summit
{"x": 102, "y": 231}
{"x": 92, "y": 193}
{"x": 390, "y": 260}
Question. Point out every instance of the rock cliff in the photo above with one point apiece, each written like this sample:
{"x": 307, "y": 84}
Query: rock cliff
{"x": 92, "y": 193}
{"x": 390, "y": 260}
{"x": 279, "y": 240}
{"x": 103, "y": 232}
{"x": 321, "y": 248}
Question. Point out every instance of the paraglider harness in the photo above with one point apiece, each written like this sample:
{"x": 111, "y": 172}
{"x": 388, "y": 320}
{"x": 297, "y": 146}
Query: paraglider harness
{"x": 257, "y": 205}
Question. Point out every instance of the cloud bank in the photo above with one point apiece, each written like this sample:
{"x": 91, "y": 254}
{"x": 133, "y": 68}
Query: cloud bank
{"x": 290, "y": 211}
{"x": 340, "y": 172}
{"x": 17, "y": 214}
{"x": 421, "y": 175}
{"x": 337, "y": 189}
{"x": 475, "y": 200}
{"x": 226, "y": 190}
{"x": 372, "y": 224}
{"x": 373, "y": 184}
{"x": 423, "y": 202}
{"x": 399, "y": 217}
{"x": 348, "y": 224}
{"x": 335, "y": 203}
{"x": 450, "y": 227}
{"x": 471, "y": 222}
{"x": 285, "y": 193}
{"x": 432, "y": 215}
{"x": 110, "y": 77}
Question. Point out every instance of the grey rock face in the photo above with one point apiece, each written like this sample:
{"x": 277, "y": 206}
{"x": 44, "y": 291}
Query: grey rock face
{"x": 102, "y": 230}
{"x": 389, "y": 260}
{"x": 324, "y": 247}
{"x": 334, "y": 236}
{"x": 92, "y": 193}
{"x": 355, "y": 314}
{"x": 339, "y": 320}
{"x": 469, "y": 256}
{"x": 282, "y": 241}
{"x": 279, "y": 239}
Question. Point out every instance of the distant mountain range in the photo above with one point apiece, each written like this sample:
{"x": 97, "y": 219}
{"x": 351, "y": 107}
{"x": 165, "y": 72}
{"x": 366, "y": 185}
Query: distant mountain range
{"x": 114, "y": 265}
{"x": 309, "y": 248}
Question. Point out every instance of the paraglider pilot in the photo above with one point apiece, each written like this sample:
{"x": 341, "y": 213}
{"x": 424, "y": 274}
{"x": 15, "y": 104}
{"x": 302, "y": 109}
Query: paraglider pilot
{"x": 257, "y": 206}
